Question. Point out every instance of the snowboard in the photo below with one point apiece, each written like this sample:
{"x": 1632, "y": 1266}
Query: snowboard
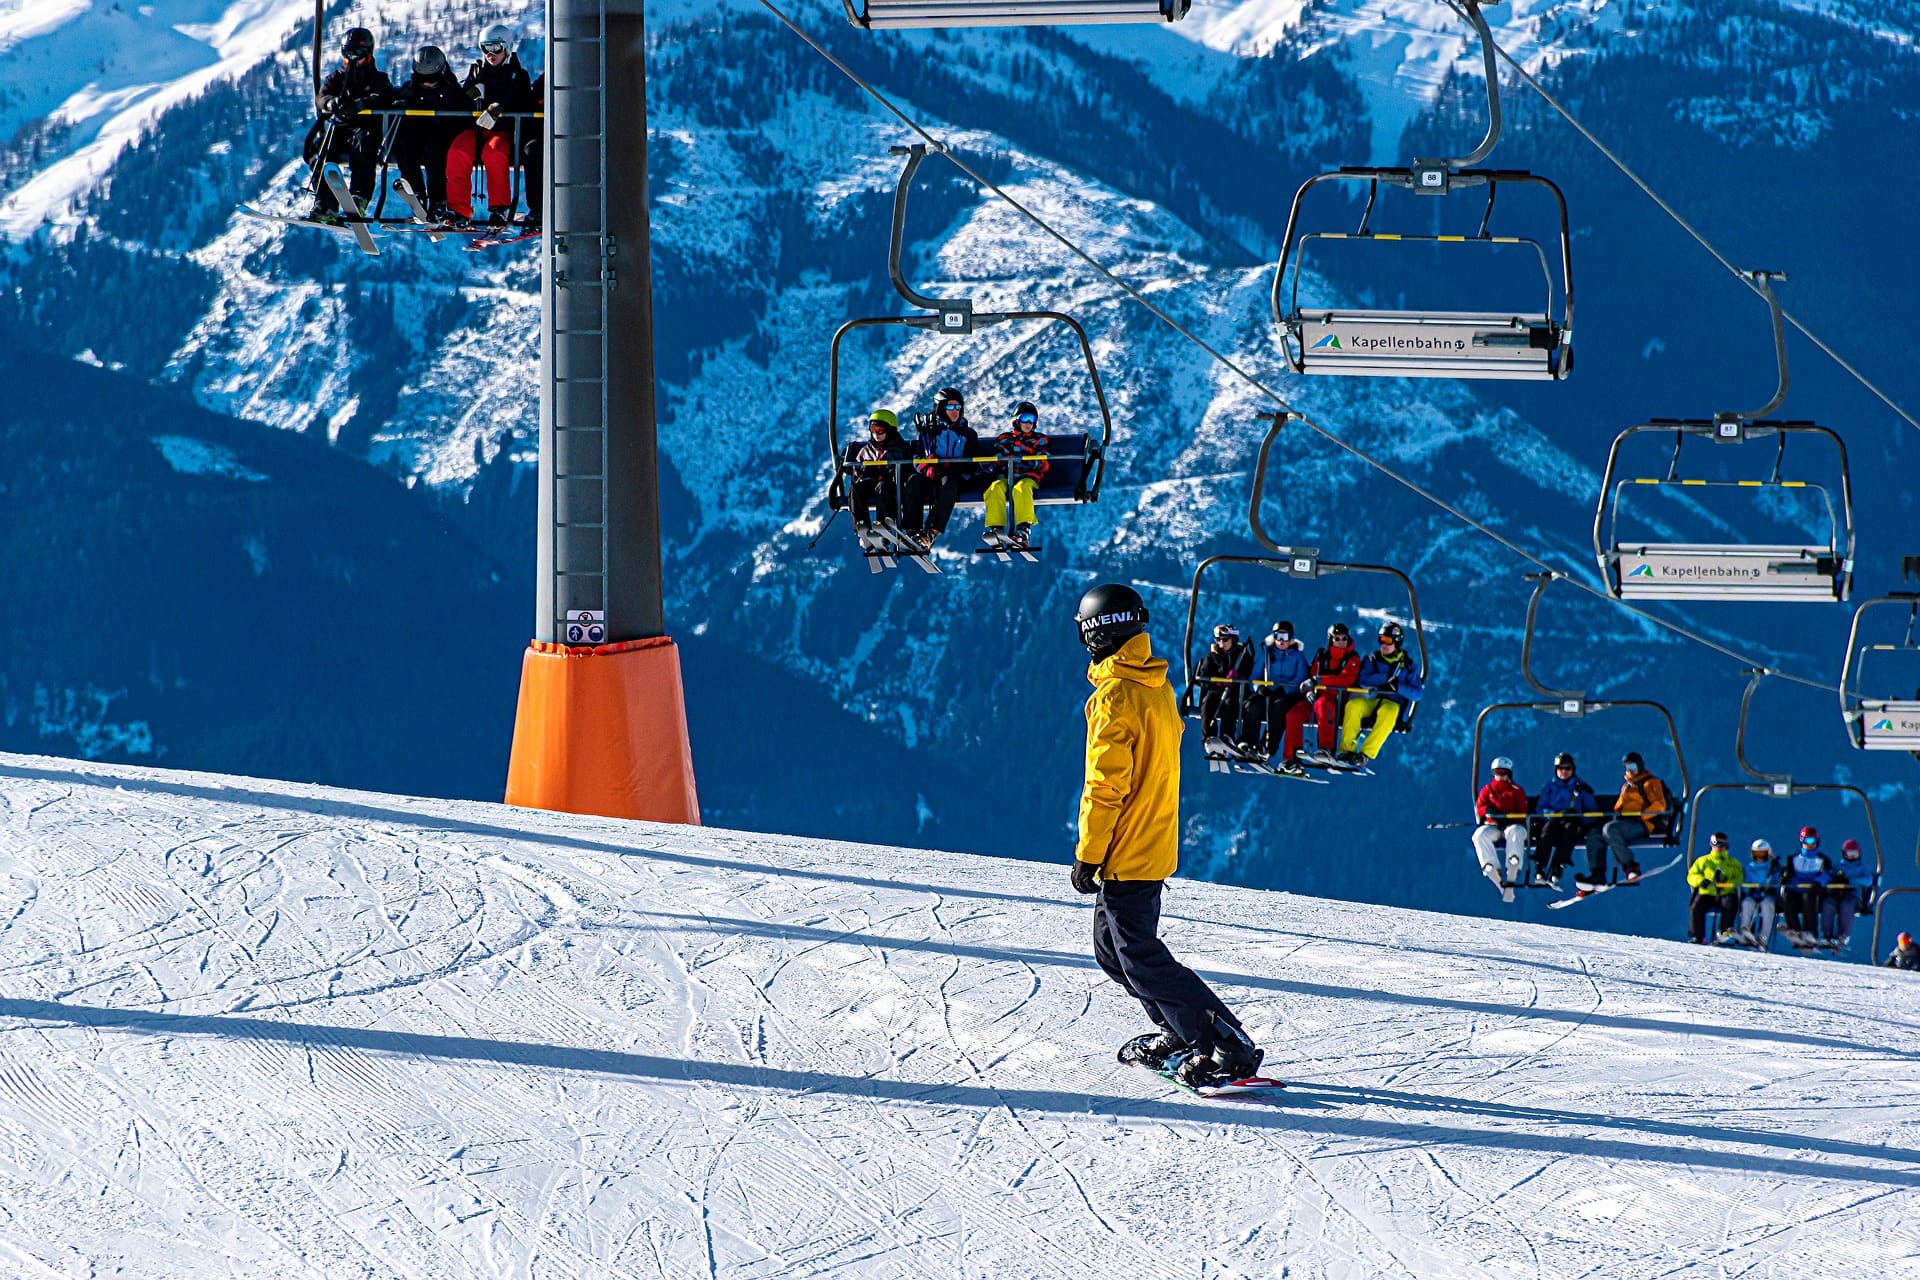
{"x": 1597, "y": 890}
{"x": 1249, "y": 1087}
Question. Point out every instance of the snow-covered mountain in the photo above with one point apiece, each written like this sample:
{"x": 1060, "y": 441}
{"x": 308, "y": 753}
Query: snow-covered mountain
{"x": 1171, "y": 154}
{"x": 260, "y": 1027}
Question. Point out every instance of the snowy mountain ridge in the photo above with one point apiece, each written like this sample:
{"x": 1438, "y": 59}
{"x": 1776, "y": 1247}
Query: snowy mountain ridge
{"x": 260, "y": 1026}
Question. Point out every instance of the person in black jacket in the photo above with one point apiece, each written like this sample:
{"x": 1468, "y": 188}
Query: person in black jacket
{"x": 1226, "y": 663}
{"x": 496, "y": 84}
{"x": 868, "y": 486}
{"x": 355, "y": 85}
{"x": 420, "y": 149}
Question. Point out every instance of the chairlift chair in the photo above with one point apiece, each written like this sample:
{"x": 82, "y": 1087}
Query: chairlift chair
{"x": 1302, "y": 563}
{"x": 1575, "y": 705}
{"x": 887, "y": 14}
{"x": 1076, "y": 460}
{"x": 1529, "y": 343}
{"x": 1804, "y": 573}
{"x": 1780, "y": 786}
{"x": 1881, "y": 724}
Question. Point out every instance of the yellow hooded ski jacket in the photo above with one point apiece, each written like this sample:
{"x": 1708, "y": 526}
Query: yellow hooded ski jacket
{"x": 1716, "y": 871}
{"x": 1130, "y": 805}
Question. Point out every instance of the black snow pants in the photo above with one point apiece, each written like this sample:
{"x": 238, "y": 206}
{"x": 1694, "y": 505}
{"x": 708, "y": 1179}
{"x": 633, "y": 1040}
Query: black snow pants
{"x": 939, "y": 491}
{"x": 1553, "y": 846}
{"x": 1702, "y": 904}
{"x": 1220, "y": 711}
{"x": 420, "y": 153}
{"x": 1126, "y": 943}
{"x": 358, "y": 144}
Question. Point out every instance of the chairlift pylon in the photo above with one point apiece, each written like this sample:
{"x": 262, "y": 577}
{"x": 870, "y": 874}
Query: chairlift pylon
{"x": 1881, "y": 724}
{"x": 1525, "y": 344}
{"x": 1076, "y": 460}
{"x": 1644, "y": 570}
{"x": 1571, "y": 704}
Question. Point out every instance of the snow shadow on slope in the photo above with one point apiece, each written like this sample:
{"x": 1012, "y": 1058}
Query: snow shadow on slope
{"x": 1303, "y": 1111}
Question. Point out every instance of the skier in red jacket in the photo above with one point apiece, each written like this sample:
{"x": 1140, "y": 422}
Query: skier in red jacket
{"x": 1334, "y": 669}
{"x": 1502, "y": 808}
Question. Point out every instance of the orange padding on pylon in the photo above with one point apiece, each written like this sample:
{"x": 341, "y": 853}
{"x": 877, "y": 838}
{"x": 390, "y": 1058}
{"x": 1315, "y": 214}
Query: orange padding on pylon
{"x": 603, "y": 730}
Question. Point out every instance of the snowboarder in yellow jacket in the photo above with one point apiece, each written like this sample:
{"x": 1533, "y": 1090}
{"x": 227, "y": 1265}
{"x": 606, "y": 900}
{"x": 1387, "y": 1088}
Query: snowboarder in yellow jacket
{"x": 1130, "y": 843}
{"x": 1716, "y": 878}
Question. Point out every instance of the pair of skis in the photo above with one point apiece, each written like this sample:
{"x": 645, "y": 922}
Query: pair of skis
{"x": 1599, "y": 889}
{"x": 418, "y": 223}
{"x": 1004, "y": 547}
{"x": 885, "y": 544}
{"x": 1226, "y": 757}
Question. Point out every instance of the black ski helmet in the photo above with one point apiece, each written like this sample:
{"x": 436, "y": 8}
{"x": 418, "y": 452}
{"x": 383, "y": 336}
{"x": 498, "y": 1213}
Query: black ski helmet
{"x": 949, "y": 395}
{"x": 1110, "y": 615}
{"x": 429, "y": 61}
{"x": 1563, "y": 760}
{"x": 1339, "y": 629}
{"x": 358, "y": 44}
{"x": 1026, "y": 409}
{"x": 1391, "y": 631}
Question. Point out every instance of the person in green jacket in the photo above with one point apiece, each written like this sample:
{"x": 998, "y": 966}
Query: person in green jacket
{"x": 1716, "y": 878}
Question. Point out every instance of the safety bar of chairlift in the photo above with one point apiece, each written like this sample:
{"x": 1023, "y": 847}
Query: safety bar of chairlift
{"x": 1850, "y": 669}
{"x": 1404, "y": 177}
{"x": 1724, "y": 429}
{"x": 1298, "y": 562}
{"x": 1096, "y": 458}
{"x": 1087, "y": 459}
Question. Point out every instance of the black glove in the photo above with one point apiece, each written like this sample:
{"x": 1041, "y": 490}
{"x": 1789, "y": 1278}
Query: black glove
{"x": 1086, "y": 877}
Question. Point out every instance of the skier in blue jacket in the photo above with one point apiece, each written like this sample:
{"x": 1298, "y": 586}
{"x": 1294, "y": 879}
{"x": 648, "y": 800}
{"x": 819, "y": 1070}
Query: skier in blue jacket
{"x": 1850, "y": 891}
{"x": 1281, "y": 668}
{"x": 1760, "y": 898}
{"x": 1805, "y": 884}
{"x": 1388, "y": 681}
{"x": 1565, "y": 804}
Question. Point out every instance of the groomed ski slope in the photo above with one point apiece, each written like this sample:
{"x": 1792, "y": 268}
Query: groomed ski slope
{"x": 253, "y": 1028}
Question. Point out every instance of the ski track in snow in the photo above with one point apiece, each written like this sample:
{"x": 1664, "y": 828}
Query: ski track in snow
{"x": 263, "y": 1028}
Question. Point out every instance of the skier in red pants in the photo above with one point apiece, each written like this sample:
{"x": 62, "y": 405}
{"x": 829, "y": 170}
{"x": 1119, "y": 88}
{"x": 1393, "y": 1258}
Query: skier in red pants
{"x": 497, "y": 83}
{"x": 1334, "y": 670}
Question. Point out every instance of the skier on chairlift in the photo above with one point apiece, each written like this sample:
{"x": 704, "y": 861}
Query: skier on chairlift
{"x": 1220, "y": 671}
{"x": 1759, "y": 896}
{"x": 1332, "y": 673}
{"x": 947, "y": 443}
{"x": 497, "y": 84}
{"x": 1715, "y": 879}
{"x": 420, "y": 148}
{"x": 1642, "y": 810}
{"x": 1387, "y": 681}
{"x": 1023, "y": 453}
{"x": 1564, "y": 805}
{"x": 869, "y": 486}
{"x": 354, "y": 86}
{"x": 1905, "y": 954}
{"x": 1804, "y": 887}
{"x": 1850, "y": 892}
{"x": 1502, "y": 808}
{"x": 1279, "y": 671}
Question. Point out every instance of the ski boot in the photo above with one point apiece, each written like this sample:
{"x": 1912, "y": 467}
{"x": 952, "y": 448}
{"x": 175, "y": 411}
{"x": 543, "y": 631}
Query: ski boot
{"x": 500, "y": 215}
{"x": 1630, "y": 874}
{"x": 1154, "y": 1049}
{"x": 1350, "y": 760}
{"x": 438, "y": 214}
{"x": 1021, "y": 534}
{"x": 1292, "y": 768}
{"x": 1231, "y": 1058}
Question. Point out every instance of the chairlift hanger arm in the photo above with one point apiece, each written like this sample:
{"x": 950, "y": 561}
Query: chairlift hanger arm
{"x": 1541, "y": 581}
{"x": 319, "y": 54}
{"x": 1754, "y": 676}
{"x": 1492, "y": 71}
{"x": 914, "y": 154}
{"x": 1762, "y": 282}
